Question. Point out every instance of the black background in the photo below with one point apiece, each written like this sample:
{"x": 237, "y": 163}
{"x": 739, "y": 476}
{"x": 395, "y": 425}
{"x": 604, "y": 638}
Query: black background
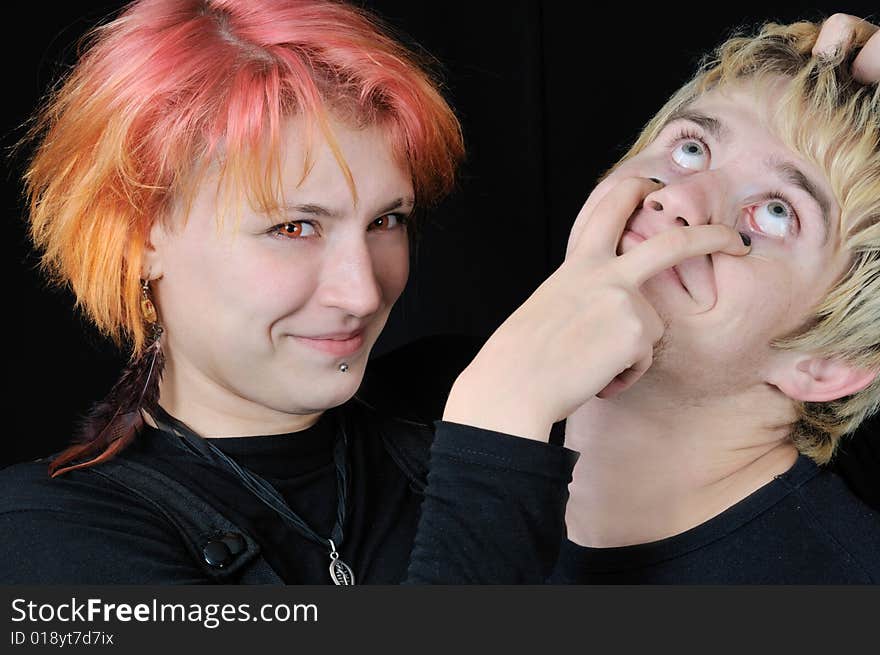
{"x": 549, "y": 93}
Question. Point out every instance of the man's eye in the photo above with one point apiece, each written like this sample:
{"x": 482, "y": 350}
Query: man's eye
{"x": 294, "y": 230}
{"x": 692, "y": 154}
{"x": 774, "y": 218}
{"x": 388, "y": 222}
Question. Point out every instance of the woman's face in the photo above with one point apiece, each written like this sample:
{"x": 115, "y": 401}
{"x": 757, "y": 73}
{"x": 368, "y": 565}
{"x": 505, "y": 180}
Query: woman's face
{"x": 259, "y": 317}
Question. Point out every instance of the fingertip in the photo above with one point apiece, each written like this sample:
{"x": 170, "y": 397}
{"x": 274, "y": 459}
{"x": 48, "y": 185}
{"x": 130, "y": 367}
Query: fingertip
{"x": 860, "y": 77}
{"x": 863, "y": 74}
{"x": 741, "y": 246}
{"x": 744, "y": 245}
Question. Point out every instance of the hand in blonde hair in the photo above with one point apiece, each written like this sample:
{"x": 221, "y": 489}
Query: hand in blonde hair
{"x": 839, "y": 31}
{"x": 587, "y": 330}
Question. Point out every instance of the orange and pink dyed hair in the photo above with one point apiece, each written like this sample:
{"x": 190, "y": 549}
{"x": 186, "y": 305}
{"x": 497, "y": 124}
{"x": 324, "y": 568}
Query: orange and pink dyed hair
{"x": 170, "y": 84}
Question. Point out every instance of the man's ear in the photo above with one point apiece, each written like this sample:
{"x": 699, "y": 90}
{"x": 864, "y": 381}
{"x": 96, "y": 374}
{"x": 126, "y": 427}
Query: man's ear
{"x": 821, "y": 379}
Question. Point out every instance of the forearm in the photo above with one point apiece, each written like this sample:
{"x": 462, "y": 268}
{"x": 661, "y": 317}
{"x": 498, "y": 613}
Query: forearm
{"x": 493, "y": 511}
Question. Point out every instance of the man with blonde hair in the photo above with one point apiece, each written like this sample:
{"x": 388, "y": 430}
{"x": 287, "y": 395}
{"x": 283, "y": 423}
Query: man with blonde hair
{"x": 706, "y": 391}
{"x": 702, "y": 462}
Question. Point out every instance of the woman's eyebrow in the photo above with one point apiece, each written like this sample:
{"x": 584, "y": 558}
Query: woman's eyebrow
{"x": 401, "y": 203}
{"x": 320, "y": 210}
{"x": 313, "y": 209}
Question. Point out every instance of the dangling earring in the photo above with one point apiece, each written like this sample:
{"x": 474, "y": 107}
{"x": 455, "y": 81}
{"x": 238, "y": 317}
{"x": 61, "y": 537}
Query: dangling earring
{"x": 148, "y": 309}
{"x": 153, "y": 351}
{"x": 114, "y": 422}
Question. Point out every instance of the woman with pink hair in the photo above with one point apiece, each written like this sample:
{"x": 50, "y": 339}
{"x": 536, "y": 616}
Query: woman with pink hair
{"x": 230, "y": 190}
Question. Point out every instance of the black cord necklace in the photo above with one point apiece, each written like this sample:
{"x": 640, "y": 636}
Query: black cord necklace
{"x": 340, "y": 572}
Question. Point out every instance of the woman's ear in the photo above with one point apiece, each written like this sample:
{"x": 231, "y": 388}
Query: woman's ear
{"x": 151, "y": 265}
{"x": 821, "y": 379}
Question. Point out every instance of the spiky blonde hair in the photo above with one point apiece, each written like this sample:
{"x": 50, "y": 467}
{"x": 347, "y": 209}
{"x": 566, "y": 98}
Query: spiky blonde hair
{"x": 834, "y": 122}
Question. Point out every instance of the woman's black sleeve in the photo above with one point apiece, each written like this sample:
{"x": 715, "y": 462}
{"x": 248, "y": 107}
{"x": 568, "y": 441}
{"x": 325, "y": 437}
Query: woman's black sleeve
{"x": 494, "y": 509}
{"x": 77, "y": 530}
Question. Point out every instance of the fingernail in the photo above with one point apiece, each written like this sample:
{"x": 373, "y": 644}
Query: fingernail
{"x": 747, "y": 240}
{"x": 654, "y": 179}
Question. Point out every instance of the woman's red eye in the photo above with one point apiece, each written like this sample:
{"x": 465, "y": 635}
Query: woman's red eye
{"x": 295, "y": 229}
{"x": 387, "y": 222}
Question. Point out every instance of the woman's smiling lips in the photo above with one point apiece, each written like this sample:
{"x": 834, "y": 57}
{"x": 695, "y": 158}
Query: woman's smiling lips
{"x": 338, "y": 345}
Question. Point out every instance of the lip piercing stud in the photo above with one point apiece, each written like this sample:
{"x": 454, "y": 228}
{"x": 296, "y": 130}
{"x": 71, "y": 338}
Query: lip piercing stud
{"x": 343, "y": 368}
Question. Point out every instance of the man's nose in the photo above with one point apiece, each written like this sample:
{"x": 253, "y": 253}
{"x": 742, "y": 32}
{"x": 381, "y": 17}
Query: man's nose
{"x": 349, "y": 281}
{"x": 687, "y": 201}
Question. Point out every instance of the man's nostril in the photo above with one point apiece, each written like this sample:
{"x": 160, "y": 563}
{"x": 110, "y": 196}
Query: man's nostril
{"x": 656, "y": 206}
{"x": 682, "y": 221}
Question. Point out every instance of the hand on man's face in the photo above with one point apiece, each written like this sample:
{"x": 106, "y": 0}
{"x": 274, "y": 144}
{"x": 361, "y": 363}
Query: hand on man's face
{"x": 588, "y": 330}
{"x": 839, "y": 31}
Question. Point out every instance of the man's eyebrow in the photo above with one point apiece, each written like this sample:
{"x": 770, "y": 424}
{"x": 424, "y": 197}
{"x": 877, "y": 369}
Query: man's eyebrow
{"x": 796, "y": 177}
{"x": 786, "y": 170}
{"x": 320, "y": 210}
{"x": 712, "y": 125}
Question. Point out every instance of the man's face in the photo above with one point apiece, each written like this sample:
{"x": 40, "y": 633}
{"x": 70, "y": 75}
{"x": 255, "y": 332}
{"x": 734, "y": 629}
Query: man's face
{"x": 721, "y": 162}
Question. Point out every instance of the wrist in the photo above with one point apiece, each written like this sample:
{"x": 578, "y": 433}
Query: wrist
{"x": 482, "y": 406}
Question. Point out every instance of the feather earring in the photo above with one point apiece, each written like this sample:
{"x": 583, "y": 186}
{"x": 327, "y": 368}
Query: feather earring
{"x": 115, "y": 421}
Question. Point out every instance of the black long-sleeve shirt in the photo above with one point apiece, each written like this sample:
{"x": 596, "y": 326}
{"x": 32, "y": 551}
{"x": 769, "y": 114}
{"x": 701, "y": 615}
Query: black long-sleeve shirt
{"x": 803, "y": 527}
{"x": 492, "y": 511}
{"x": 78, "y": 529}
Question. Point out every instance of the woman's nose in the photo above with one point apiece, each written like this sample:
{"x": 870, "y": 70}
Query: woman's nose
{"x": 349, "y": 281}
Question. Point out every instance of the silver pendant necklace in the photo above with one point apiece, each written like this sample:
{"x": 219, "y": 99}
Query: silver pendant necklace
{"x": 340, "y": 573}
